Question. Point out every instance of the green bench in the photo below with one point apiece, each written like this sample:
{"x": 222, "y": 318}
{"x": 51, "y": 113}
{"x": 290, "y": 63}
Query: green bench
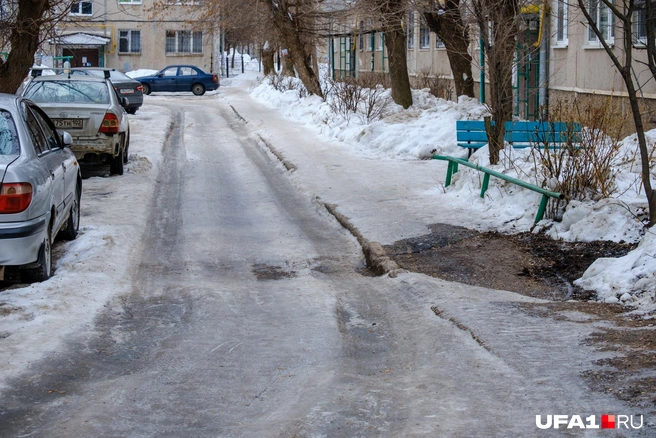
{"x": 471, "y": 134}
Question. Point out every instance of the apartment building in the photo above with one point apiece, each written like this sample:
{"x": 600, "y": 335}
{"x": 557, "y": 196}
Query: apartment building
{"x": 558, "y": 55}
{"x": 134, "y": 34}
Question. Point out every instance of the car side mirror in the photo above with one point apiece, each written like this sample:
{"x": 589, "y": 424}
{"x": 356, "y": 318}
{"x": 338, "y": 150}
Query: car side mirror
{"x": 66, "y": 138}
{"x": 124, "y": 101}
{"x": 159, "y": 75}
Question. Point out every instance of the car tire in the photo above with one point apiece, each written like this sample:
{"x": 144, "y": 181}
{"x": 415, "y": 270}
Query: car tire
{"x": 146, "y": 88}
{"x": 127, "y": 149}
{"x": 44, "y": 261}
{"x": 116, "y": 164}
{"x": 131, "y": 110}
{"x": 73, "y": 223}
{"x": 198, "y": 89}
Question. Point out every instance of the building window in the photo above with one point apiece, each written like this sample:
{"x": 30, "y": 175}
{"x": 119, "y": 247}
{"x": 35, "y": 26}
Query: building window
{"x": 129, "y": 41}
{"x": 184, "y": 41}
{"x": 381, "y": 41}
{"x": 640, "y": 25}
{"x": 424, "y": 34}
{"x": 82, "y": 8}
{"x": 439, "y": 44}
{"x": 411, "y": 30}
{"x": 561, "y": 23}
{"x": 603, "y": 17}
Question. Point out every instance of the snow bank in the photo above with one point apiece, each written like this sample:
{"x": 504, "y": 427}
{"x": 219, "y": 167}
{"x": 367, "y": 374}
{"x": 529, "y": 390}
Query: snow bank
{"x": 428, "y": 127}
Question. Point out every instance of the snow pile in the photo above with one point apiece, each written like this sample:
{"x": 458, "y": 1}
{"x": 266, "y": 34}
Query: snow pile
{"x": 428, "y": 127}
{"x": 141, "y": 73}
{"x": 630, "y": 279}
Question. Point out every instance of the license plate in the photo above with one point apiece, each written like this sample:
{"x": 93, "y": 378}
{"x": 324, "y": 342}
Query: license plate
{"x": 128, "y": 91}
{"x": 68, "y": 123}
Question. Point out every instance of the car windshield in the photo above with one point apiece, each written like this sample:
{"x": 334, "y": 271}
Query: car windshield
{"x": 68, "y": 92}
{"x": 8, "y": 135}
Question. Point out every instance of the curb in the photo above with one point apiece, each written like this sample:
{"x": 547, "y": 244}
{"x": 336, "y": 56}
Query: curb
{"x": 374, "y": 253}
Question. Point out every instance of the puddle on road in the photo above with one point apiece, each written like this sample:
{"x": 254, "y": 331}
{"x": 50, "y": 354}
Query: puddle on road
{"x": 268, "y": 272}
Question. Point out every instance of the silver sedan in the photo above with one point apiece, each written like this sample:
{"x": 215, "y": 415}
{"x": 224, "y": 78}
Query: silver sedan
{"x": 40, "y": 188}
{"x": 89, "y": 108}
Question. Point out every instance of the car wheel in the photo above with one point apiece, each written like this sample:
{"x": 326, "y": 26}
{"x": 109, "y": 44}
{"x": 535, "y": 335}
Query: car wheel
{"x": 131, "y": 110}
{"x": 116, "y": 164}
{"x": 44, "y": 269}
{"x": 146, "y": 88}
{"x": 198, "y": 89}
{"x": 73, "y": 223}
{"x": 127, "y": 149}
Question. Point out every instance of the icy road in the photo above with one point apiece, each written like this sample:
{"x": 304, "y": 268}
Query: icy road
{"x": 237, "y": 307}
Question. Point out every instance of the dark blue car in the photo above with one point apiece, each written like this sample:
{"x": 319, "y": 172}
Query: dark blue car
{"x": 180, "y": 78}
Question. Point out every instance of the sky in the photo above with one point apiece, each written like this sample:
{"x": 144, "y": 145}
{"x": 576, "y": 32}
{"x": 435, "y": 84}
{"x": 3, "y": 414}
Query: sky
{"x": 378, "y": 174}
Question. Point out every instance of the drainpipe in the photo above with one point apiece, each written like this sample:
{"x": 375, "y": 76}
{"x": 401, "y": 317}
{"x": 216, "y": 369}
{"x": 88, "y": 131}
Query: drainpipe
{"x": 543, "y": 70}
{"x": 482, "y": 81}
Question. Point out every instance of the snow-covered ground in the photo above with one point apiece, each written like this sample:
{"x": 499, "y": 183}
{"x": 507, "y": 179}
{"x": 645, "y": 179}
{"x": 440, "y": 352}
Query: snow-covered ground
{"x": 95, "y": 267}
{"x": 429, "y": 127}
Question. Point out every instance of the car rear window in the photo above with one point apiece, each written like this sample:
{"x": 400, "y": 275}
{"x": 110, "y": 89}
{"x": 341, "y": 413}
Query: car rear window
{"x": 8, "y": 136}
{"x": 68, "y": 92}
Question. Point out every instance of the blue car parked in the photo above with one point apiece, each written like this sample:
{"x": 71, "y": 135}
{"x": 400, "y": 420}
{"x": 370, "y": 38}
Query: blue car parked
{"x": 180, "y": 78}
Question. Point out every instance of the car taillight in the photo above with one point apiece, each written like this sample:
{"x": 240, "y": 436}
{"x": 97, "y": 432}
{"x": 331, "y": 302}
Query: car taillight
{"x": 110, "y": 124}
{"x": 140, "y": 88}
{"x": 215, "y": 79}
{"x": 15, "y": 197}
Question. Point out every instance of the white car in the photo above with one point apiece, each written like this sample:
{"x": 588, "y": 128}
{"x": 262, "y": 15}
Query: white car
{"x": 40, "y": 189}
{"x": 89, "y": 108}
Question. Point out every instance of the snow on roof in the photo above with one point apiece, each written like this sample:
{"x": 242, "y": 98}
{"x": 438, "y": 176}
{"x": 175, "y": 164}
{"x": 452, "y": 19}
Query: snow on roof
{"x": 82, "y": 39}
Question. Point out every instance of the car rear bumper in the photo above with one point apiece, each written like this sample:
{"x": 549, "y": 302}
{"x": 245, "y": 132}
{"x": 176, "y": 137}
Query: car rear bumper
{"x": 135, "y": 100}
{"x": 97, "y": 145}
{"x": 20, "y": 241}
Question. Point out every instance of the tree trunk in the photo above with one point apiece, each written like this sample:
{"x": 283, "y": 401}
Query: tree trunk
{"x": 450, "y": 28}
{"x": 393, "y": 12}
{"x": 288, "y": 66}
{"x": 398, "y": 66}
{"x": 642, "y": 145}
{"x": 232, "y": 61}
{"x": 291, "y": 40}
{"x": 499, "y": 40}
{"x": 268, "y": 61}
{"x": 24, "y": 42}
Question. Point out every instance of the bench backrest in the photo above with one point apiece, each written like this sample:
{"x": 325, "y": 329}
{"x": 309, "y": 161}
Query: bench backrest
{"x": 471, "y": 130}
{"x": 539, "y": 133}
{"x": 521, "y": 133}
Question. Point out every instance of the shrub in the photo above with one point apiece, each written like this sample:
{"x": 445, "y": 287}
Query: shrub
{"x": 438, "y": 87}
{"x": 583, "y": 167}
{"x": 287, "y": 83}
{"x": 361, "y": 96}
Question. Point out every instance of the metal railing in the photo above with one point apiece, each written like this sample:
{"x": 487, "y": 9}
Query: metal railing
{"x": 453, "y": 168}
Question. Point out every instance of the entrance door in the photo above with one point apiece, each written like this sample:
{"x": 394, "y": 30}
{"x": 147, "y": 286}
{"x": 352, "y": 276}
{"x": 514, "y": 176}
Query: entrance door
{"x": 83, "y": 57}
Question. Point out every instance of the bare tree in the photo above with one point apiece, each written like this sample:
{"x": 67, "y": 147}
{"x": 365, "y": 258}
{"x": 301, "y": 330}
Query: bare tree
{"x": 445, "y": 18}
{"x": 23, "y": 23}
{"x": 390, "y": 16}
{"x": 294, "y": 22}
{"x": 624, "y": 11}
{"x": 498, "y": 22}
